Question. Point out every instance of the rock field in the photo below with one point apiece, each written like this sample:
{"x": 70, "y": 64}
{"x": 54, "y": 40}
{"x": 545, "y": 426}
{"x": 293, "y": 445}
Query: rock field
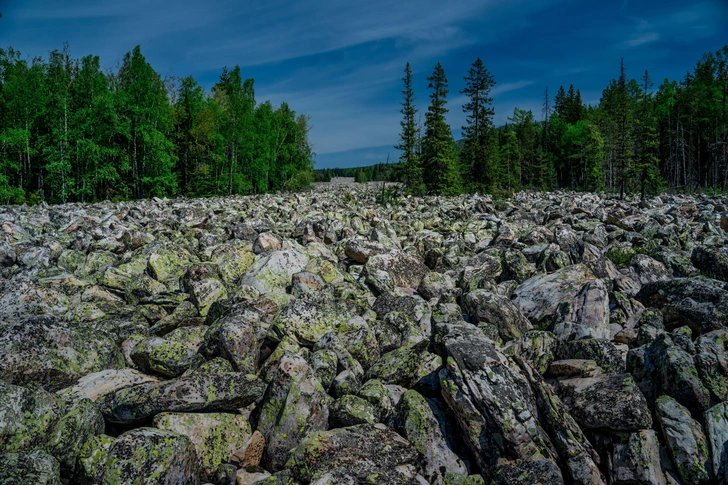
{"x": 325, "y": 338}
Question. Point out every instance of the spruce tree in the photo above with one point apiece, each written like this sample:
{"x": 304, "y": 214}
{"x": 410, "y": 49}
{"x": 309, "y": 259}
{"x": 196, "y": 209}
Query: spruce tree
{"x": 647, "y": 162}
{"x": 409, "y": 158}
{"x": 440, "y": 173}
{"x": 477, "y": 152}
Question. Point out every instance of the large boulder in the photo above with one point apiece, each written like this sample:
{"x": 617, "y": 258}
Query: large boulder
{"x": 225, "y": 392}
{"x": 711, "y": 359}
{"x": 586, "y": 316}
{"x": 700, "y": 303}
{"x": 46, "y": 352}
{"x": 711, "y": 260}
{"x": 416, "y": 422}
{"x": 294, "y": 405}
{"x": 497, "y": 316}
{"x": 611, "y": 402}
{"x": 686, "y": 442}
{"x": 98, "y": 385}
{"x": 492, "y": 400}
{"x": 215, "y": 436}
{"x": 539, "y": 297}
{"x": 404, "y": 269}
{"x": 716, "y": 427}
{"x": 635, "y": 459}
{"x": 149, "y": 456}
{"x": 272, "y": 272}
{"x": 354, "y": 448}
{"x": 38, "y": 468}
{"x": 27, "y": 417}
{"x": 307, "y": 320}
{"x": 172, "y": 354}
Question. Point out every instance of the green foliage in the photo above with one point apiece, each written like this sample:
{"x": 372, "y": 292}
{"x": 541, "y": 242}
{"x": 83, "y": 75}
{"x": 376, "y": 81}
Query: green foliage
{"x": 477, "y": 156}
{"x": 70, "y": 132}
{"x": 411, "y": 165}
{"x": 620, "y": 256}
{"x": 438, "y": 146}
{"x": 361, "y": 177}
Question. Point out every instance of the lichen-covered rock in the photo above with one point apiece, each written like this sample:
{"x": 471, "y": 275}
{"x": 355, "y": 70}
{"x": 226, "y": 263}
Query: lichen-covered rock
{"x": 602, "y": 351}
{"x": 711, "y": 359}
{"x": 38, "y": 468}
{"x": 405, "y": 270}
{"x": 538, "y": 347}
{"x": 272, "y": 273}
{"x": 611, "y": 402}
{"x": 711, "y": 260}
{"x": 225, "y": 392}
{"x": 204, "y": 285}
{"x": 92, "y": 460}
{"x": 346, "y": 448}
{"x": 700, "y": 303}
{"x": 47, "y": 352}
{"x": 27, "y": 417}
{"x": 147, "y": 456}
{"x": 716, "y": 427}
{"x": 580, "y": 460}
{"x": 400, "y": 365}
{"x": 538, "y": 298}
{"x": 492, "y": 400}
{"x": 307, "y": 320}
{"x": 350, "y": 410}
{"x": 522, "y": 472}
{"x": 586, "y": 316}
{"x": 215, "y": 436}
{"x": 294, "y": 405}
{"x": 416, "y": 422}
{"x": 172, "y": 354}
{"x": 376, "y": 394}
{"x": 98, "y": 385}
{"x": 685, "y": 440}
{"x": 670, "y": 370}
{"x": 635, "y": 459}
{"x": 80, "y": 424}
{"x": 498, "y": 316}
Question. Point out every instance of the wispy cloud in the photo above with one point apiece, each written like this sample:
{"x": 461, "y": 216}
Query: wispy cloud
{"x": 641, "y": 39}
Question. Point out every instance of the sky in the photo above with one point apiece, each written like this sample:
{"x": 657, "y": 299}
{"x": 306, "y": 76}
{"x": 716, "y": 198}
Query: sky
{"x": 342, "y": 62}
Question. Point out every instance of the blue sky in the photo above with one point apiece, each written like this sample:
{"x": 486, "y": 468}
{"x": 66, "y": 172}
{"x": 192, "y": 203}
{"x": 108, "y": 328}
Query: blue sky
{"x": 342, "y": 61}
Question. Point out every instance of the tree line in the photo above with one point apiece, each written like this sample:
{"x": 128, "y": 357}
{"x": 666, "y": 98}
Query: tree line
{"x": 72, "y": 132}
{"x": 636, "y": 140}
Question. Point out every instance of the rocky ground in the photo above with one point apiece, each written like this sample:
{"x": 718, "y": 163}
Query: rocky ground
{"x": 326, "y": 339}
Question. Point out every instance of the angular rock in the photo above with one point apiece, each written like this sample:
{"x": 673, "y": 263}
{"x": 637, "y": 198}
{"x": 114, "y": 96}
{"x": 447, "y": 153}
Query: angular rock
{"x": 636, "y": 459}
{"x": 38, "y": 468}
{"x": 405, "y": 270}
{"x": 492, "y": 400}
{"x": 98, "y": 385}
{"x": 685, "y": 440}
{"x": 700, "y": 303}
{"x": 716, "y": 427}
{"x": 586, "y": 316}
{"x": 711, "y": 260}
{"x": 147, "y": 456}
{"x": 711, "y": 359}
{"x": 374, "y": 444}
{"x": 172, "y": 354}
{"x": 611, "y": 402}
{"x": 226, "y": 392}
{"x": 52, "y": 354}
{"x": 416, "y": 422}
{"x": 539, "y": 297}
{"x": 294, "y": 406}
{"x": 215, "y": 436}
{"x": 497, "y": 316}
{"x": 350, "y": 410}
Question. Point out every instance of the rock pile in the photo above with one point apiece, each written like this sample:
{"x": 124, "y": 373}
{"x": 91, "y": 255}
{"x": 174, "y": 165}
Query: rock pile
{"x": 326, "y": 338}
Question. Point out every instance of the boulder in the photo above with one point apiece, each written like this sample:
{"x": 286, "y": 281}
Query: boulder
{"x": 700, "y": 303}
{"x": 635, "y": 459}
{"x": 214, "y": 436}
{"x": 47, "y": 352}
{"x": 146, "y": 456}
{"x": 716, "y": 427}
{"x": 405, "y": 270}
{"x": 356, "y": 447}
{"x": 497, "y": 316}
{"x": 416, "y": 422}
{"x": 686, "y": 442}
{"x": 539, "y": 297}
{"x": 711, "y": 260}
{"x": 172, "y": 354}
{"x": 711, "y": 359}
{"x": 612, "y": 402}
{"x": 38, "y": 468}
{"x": 492, "y": 400}
{"x": 294, "y": 406}
{"x": 225, "y": 392}
{"x": 586, "y": 316}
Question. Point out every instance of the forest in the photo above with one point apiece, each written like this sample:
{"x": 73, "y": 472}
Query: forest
{"x": 70, "y": 131}
{"x": 638, "y": 139}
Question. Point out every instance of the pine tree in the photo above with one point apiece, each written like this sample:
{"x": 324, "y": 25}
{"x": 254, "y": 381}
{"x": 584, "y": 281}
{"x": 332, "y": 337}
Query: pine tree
{"x": 409, "y": 157}
{"x": 623, "y": 128}
{"x": 477, "y": 151}
{"x": 440, "y": 172}
{"x": 647, "y": 162}
{"x": 561, "y": 103}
